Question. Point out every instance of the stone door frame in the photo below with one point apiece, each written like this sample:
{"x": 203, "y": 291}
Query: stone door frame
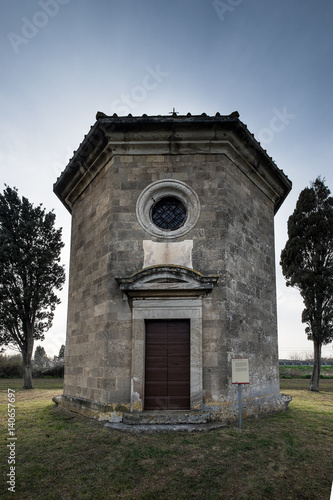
{"x": 166, "y": 308}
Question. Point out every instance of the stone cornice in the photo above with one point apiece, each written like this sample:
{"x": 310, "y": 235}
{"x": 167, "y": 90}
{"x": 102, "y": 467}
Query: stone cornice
{"x": 175, "y": 135}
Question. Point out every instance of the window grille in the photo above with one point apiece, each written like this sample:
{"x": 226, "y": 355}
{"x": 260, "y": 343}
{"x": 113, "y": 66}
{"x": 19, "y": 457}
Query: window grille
{"x": 169, "y": 213}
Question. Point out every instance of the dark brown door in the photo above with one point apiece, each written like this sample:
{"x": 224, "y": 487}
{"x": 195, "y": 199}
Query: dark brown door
{"x": 167, "y": 369}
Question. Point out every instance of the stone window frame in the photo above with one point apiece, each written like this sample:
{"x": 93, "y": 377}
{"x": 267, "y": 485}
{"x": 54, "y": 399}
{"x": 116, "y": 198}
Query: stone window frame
{"x": 165, "y": 309}
{"x": 167, "y": 188}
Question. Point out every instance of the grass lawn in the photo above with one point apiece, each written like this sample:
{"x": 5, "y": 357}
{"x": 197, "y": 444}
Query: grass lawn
{"x": 60, "y": 455}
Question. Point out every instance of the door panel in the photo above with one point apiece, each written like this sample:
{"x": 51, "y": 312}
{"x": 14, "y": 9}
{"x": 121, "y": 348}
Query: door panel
{"x": 167, "y": 365}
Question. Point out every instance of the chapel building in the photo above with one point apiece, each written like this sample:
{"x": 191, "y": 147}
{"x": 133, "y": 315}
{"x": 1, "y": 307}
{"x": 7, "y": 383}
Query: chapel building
{"x": 172, "y": 268}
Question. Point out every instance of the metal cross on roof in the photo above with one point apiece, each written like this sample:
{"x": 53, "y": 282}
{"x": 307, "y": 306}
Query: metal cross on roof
{"x": 173, "y": 112}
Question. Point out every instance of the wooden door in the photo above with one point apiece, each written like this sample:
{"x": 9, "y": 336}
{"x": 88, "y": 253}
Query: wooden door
{"x": 167, "y": 365}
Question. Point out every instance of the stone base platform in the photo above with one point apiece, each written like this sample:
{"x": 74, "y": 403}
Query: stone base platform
{"x": 210, "y": 417}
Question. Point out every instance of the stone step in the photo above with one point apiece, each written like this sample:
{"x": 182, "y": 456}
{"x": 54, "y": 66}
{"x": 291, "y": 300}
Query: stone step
{"x": 158, "y": 428}
{"x": 171, "y": 417}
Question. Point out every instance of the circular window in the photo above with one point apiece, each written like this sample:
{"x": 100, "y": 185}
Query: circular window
{"x": 168, "y": 208}
{"x": 168, "y": 213}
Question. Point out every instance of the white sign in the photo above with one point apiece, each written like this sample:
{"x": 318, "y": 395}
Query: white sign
{"x": 240, "y": 371}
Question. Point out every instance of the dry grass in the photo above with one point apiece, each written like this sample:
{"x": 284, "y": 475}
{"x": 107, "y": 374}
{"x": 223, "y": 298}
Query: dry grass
{"x": 63, "y": 455}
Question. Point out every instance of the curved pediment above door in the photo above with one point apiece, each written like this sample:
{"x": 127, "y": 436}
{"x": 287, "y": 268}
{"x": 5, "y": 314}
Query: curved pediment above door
{"x": 167, "y": 281}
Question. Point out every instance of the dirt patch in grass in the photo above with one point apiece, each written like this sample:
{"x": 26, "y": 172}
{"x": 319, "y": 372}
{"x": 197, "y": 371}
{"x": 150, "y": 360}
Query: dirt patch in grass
{"x": 63, "y": 455}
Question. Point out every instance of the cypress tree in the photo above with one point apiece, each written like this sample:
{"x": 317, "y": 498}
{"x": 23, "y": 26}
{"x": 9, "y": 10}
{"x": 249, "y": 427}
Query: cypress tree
{"x": 307, "y": 264}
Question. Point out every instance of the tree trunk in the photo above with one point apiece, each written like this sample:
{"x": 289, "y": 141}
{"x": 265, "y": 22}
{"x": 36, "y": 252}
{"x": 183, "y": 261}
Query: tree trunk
{"x": 27, "y": 375}
{"x": 314, "y": 384}
{"x": 27, "y": 356}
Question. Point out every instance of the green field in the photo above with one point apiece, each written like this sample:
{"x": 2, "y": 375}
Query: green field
{"x": 60, "y": 455}
{"x": 304, "y": 372}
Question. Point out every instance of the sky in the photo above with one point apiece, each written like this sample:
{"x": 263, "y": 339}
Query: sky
{"x": 64, "y": 60}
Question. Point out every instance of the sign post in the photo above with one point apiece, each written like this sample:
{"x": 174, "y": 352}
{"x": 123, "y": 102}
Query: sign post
{"x": 240, "y": 375}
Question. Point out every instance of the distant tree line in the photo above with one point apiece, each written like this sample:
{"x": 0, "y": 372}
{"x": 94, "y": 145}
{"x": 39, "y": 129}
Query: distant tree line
{"x": 42, "y": 365}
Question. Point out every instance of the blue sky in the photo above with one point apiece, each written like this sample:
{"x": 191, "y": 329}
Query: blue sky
{"x": 64, "y": 60}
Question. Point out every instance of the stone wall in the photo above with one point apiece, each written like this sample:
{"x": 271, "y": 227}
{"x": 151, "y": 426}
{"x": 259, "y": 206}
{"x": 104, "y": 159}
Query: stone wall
{"x": 234, "y": 237}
